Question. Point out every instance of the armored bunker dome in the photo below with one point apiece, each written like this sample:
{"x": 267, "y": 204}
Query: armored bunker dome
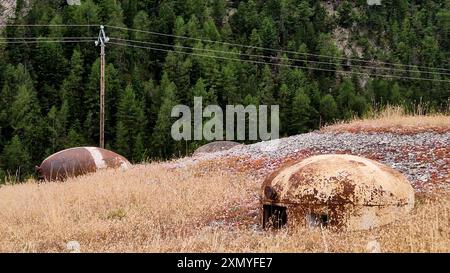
{"x": 216, "y": 146}
{"x": 343, "y": 191}
{"x": 77, "y": 161}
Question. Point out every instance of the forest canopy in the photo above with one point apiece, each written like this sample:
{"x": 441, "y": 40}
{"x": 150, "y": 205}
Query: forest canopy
{"x": 301, "y": 55}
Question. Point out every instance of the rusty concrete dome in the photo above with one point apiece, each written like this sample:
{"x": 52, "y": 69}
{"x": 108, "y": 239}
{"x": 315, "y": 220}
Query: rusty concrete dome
{"x": 216, "y": 146}
{"x": 78, "y": 161}
{"x": 345, "y": 191}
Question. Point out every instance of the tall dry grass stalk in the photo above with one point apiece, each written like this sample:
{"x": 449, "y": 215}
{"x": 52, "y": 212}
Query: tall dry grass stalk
{"x": 395, "y": 119}
{"x": 153, "y": 209}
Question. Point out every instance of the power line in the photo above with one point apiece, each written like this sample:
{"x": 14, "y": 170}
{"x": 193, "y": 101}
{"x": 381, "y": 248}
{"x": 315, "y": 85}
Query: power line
{"x": 271, "y": 49}
{"x": 43, "y": 38}
{"x": 278, "y": 64}
{"x": 240, "y": 45}
{"x": 224, "y": 58}
{"x": 45, "y": 41}
{"x": 289, "y": 59}
{"x": 226, "y": 43}
{"x": 48, "y": 25}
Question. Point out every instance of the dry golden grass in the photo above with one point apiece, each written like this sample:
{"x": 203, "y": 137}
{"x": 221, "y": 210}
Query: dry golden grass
{"x": 153, "y": 209}
{"x": 394, "y": 119}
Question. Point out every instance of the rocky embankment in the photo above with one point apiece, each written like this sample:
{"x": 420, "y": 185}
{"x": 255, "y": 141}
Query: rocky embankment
{"x": 423, "y": 157}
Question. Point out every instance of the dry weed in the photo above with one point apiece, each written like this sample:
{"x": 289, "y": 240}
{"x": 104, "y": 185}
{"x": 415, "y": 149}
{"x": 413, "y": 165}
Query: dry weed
{"x": 153, "y": 209}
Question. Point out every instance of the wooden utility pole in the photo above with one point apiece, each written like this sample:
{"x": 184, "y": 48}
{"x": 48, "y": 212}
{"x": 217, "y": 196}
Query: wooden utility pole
{"x": 102, "y": 96}
{"x": 102, "y": 40}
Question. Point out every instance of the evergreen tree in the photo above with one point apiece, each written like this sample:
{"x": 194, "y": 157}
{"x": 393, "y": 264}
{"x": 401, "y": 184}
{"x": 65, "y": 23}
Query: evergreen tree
{"x": 246, "y": 18}
{"x": 49, "y": 92}
{"x": 284, "y": 101}
{"x": 327, "y": 47}
{"x": 301, "y": 113}
{"x": 72, "y": 87}
{"x": 193, "y": 28}
{"x": 443, "y": 18}
{"x": 349, "y": 102}
{"x": 197, "y": 8}
{"x": 141, "y": 57}
{"x": 130, "y": 126}
{"x": 152, "y": 102}
{"x": 396, "y": 97}
{"x": 74, "y": 138}
{"x": 130, "y": 9}
{"x": 199, "y": 90}
{"x": 268, "y": 32}
{"x": 328, "y": 109}
{"x": 346, "y": 95}
{"x": 56, "y": 128}
{"x": 91, "y": 105}
{"x": 161, "y": 135}
{"x": 50, "y": 67}
{"x": 210, "y": 31}
{"x": 110, "y": 12}
{"x": 219, "y": 11}
{"x": 18, "y": 53}
{"x": 381, "y": 91}
{"x": 7, "y": 95}
{"x": 166, "y": 18}
{"x": 15, "y": 159}
{"x": 266, "y": 87}
{"x": 227, "y": 84}
{"x": 345, "y": 14}
{"x": 86, "y": 13}
{"x": 430, "y": 52}
{"x": 25, "y": 116}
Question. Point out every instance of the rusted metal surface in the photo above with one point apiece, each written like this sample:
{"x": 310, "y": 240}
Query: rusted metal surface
{"x": 78, "y": 161}
{"x": 344, "y": 191}
{"x": 216, "y": 146}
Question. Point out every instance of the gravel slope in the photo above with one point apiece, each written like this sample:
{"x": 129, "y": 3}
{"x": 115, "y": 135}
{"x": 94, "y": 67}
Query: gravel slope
{"x": 423, "y": 157}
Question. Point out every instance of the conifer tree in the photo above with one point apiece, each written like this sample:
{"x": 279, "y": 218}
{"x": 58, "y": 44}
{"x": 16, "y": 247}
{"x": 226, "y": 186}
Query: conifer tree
{"x": 161, "y": 136}
{"x": 15, "y": 160}
{"x": 74, "y": 137}
{"x": 51, "y": 67}
{"x": 328, "y": 109}
{"x": 266, "y": 87}
{"x": 27, "y": 122}
{"x": 301, "y": 113}
{"x": 219, "y": 11}
{"x": 72, "y": 87}
{"x": 130, "y": 125}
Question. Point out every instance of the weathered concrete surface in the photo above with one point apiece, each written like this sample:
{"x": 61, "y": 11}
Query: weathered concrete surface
{"x": 351, "y": 192}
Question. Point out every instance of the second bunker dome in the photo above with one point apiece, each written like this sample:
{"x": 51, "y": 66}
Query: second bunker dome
{"x": 345, "y": 191}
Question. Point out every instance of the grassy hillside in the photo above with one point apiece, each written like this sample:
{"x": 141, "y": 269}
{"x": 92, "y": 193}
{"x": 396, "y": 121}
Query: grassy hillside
{"x": 393, "y": 119}
{"x": 152, "y": 209}
{"x": 320, "y": 61}
{"x": 208, "y": 205}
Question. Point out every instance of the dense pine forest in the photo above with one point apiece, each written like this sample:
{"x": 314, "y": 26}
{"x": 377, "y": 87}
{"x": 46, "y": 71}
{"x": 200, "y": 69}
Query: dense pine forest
{"x": 303, "y": 55}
